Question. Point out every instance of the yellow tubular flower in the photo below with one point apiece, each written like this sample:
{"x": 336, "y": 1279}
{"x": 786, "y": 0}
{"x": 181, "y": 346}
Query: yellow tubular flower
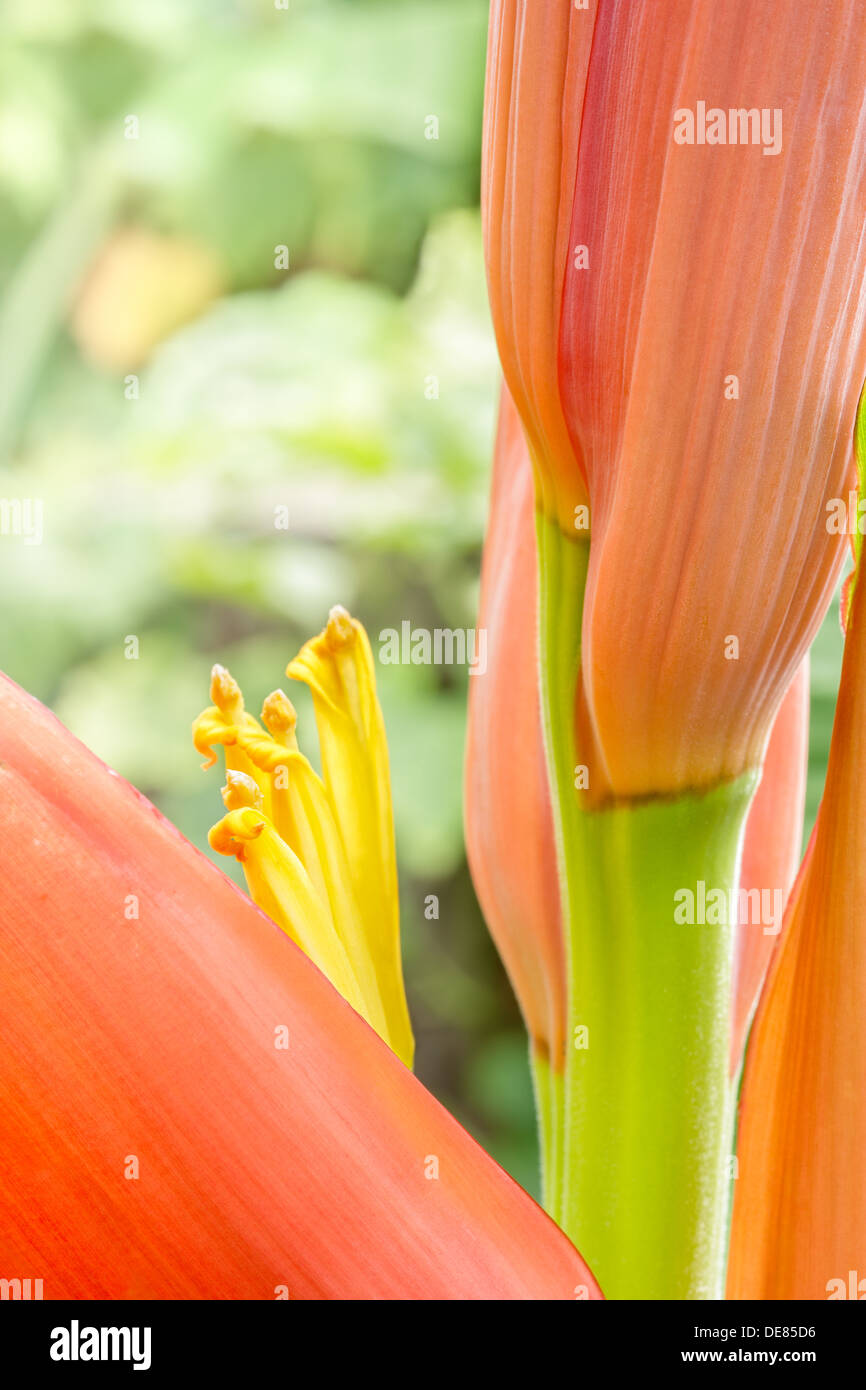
{"x": 301, "y": 839}
{"x": 337, "y": 666}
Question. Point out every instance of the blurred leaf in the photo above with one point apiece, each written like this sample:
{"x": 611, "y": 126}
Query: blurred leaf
{"x": 498, "y": 1081}
{"x": 425, "y": 737}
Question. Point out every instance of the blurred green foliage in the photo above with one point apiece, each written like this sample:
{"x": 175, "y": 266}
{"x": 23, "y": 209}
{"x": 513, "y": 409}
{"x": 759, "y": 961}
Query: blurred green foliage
{"x": 355, "y": 387}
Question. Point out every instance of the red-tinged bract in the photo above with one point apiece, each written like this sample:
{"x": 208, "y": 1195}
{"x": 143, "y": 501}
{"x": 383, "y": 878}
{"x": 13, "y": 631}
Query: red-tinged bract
{"x": 189, "y": 1108}
{"x": 799, "y": 1222}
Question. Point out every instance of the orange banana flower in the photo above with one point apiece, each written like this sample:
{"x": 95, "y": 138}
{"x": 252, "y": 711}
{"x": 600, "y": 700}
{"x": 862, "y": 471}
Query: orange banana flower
{"x": 189, "y": 1108}
{"x": 676, "y": 256}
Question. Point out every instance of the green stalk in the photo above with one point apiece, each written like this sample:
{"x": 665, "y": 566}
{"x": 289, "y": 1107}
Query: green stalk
{"x": 549, "y": 1087}
{"x": 647, "y": 1109}
{"x": 562, "y": 568}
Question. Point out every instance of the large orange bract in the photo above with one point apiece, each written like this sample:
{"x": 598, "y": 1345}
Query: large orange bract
{"x": 799, "y": 1227}
{"x": 189, "y": 1108}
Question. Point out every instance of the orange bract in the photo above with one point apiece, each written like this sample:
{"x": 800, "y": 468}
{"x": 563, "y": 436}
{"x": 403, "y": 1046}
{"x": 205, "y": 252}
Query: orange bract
{"x": 189, "y": 1108}
{"x": 799, "y": 1224}
{"x": 537, "y": 60}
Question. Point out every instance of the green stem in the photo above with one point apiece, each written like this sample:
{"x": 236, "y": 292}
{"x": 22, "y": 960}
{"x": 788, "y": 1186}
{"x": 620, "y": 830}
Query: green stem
{"x": 647, "y": 1109}
{"x": 562, "y": 568}
{"x": 549, "y": 1086}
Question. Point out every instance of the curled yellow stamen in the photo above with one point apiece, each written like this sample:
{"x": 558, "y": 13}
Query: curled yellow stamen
{"x": 224, "y": 724}
{"x": 226, "y": 693}
{"x": 279, "y": 715}
{"x": 235, "y": 831}
{"x": 241, "y": 790}
{"x": 209, "y": 729}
